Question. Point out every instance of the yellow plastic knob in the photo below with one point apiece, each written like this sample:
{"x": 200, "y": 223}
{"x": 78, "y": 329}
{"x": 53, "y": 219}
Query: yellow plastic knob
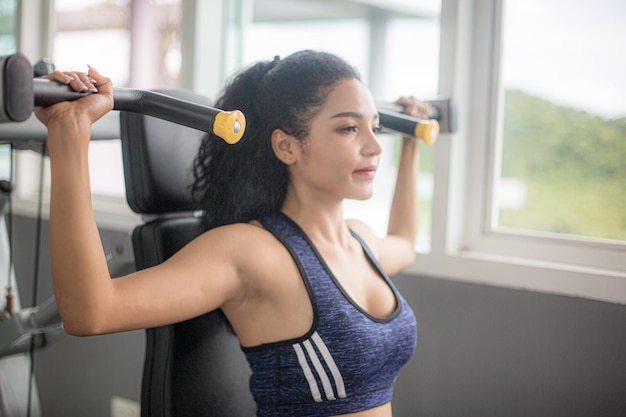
{"x": 230, "y": 126}
{"x": 428, "y": 131}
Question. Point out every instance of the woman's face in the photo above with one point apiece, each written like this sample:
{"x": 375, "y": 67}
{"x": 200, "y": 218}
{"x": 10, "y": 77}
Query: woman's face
{"x": 340, "y": 156}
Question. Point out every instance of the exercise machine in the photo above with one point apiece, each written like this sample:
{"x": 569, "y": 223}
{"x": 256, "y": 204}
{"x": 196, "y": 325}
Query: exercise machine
{"x": 23, "y": 330}
{"x": 21, "y": 93}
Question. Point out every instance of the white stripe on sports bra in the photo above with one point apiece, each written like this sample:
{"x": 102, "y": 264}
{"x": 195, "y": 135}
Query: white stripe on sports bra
{"x": 315, "y": 392}
{"x": 319, "y": 368}
{"x": 330, "y": 362}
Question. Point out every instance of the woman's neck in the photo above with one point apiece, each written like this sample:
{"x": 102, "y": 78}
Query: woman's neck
{"x": 322, "y": 221}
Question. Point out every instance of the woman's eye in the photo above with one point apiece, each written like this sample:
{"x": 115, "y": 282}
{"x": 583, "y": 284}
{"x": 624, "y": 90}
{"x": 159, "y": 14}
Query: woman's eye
{"x": 348, "y": 129}
{"x": 376, "y": 129}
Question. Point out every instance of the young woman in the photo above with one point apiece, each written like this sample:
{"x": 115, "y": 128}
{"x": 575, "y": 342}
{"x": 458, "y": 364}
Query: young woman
{"x": 306, "y": 292}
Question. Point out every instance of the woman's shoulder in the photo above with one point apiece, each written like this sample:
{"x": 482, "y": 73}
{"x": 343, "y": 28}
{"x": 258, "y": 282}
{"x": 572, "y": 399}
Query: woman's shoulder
{"x": 242, "y": 241}
{"x": 245, "y": 234}
{"x": 259, "y": 258}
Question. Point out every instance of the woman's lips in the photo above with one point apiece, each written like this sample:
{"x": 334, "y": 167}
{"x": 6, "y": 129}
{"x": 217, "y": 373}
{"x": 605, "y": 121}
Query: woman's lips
{"x": 369, "y": 171}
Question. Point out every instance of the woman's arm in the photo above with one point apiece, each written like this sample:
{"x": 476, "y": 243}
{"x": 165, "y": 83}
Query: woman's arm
{"x": 89, "y": 301}
{"x": 79, "y": 270}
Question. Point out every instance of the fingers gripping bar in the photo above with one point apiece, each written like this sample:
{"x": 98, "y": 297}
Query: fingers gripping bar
{"x": 20, "y": 93}
{"x": 441, "y": 118}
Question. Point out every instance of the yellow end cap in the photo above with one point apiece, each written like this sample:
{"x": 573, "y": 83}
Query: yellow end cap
{"x": 230, "y": 126}
{"x": 428, "y": 131}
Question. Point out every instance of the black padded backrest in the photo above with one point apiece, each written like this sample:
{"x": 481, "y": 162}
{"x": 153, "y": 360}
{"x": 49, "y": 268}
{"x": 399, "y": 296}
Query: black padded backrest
{"x": 158, "y": 159}
{"x": 196, "y": 367}
{"x": 193, "y": 368}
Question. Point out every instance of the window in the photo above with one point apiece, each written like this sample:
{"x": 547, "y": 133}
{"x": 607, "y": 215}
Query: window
{"x": 8, "y": 11}
{"x": 478, "y": 180}
{"x": 563, "y": 138}
{"x": 137, "y": 44}
{"x": 93, "y": 33}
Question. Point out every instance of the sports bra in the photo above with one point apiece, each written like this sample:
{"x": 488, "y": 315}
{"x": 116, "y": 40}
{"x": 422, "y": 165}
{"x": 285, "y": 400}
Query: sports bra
{"x": 347, "y": 362}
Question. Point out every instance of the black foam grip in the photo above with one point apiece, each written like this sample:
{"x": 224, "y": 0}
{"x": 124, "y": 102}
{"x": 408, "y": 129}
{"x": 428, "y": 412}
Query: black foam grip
{"x": 149, "y": 103}
{"x": 398, "y": 122}
{"x": 17, "y": 88}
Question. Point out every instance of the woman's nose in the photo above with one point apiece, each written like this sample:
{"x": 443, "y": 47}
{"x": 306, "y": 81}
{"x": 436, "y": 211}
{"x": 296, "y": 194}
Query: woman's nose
{"x": 372, "y": 146}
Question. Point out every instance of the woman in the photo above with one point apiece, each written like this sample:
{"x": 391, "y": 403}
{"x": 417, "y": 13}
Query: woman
{"x": 306, "y": 292}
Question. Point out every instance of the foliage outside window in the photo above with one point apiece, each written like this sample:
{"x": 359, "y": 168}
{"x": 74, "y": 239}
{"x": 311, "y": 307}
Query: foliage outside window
{"x": 564, "y": 124}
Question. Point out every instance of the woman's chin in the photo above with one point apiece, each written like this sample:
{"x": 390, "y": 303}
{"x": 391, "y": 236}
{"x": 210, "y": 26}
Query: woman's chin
{"x": 363, "y": 196}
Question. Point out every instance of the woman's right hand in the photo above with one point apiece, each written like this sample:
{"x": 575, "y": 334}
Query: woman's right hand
{"x": 82, "y": 113}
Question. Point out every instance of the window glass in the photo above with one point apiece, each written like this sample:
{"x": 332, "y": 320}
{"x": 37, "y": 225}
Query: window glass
{"x": 95, "y": 33}
{"x": 564, "y": 119}
{"x": 8, "y": 10}
{"x": 136, "y": 44}
{"x": 5, "y": 161}
{"x": 410, "y": 56}
{"x": 262, "y": 39}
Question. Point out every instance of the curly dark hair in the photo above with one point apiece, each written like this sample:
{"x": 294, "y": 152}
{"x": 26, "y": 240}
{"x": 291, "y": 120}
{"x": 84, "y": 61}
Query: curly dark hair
{"x": 240, "y": 182}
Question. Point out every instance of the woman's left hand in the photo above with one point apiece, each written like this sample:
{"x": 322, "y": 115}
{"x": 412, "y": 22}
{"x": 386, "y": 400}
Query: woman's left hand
{"x": 414, "y": 108}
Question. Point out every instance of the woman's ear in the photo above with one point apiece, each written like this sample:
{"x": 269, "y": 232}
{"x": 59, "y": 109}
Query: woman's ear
{"x": 285, "y": 146}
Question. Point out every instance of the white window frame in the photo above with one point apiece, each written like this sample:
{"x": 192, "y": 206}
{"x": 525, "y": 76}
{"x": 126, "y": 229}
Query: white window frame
{"x": 464, "y": 246}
